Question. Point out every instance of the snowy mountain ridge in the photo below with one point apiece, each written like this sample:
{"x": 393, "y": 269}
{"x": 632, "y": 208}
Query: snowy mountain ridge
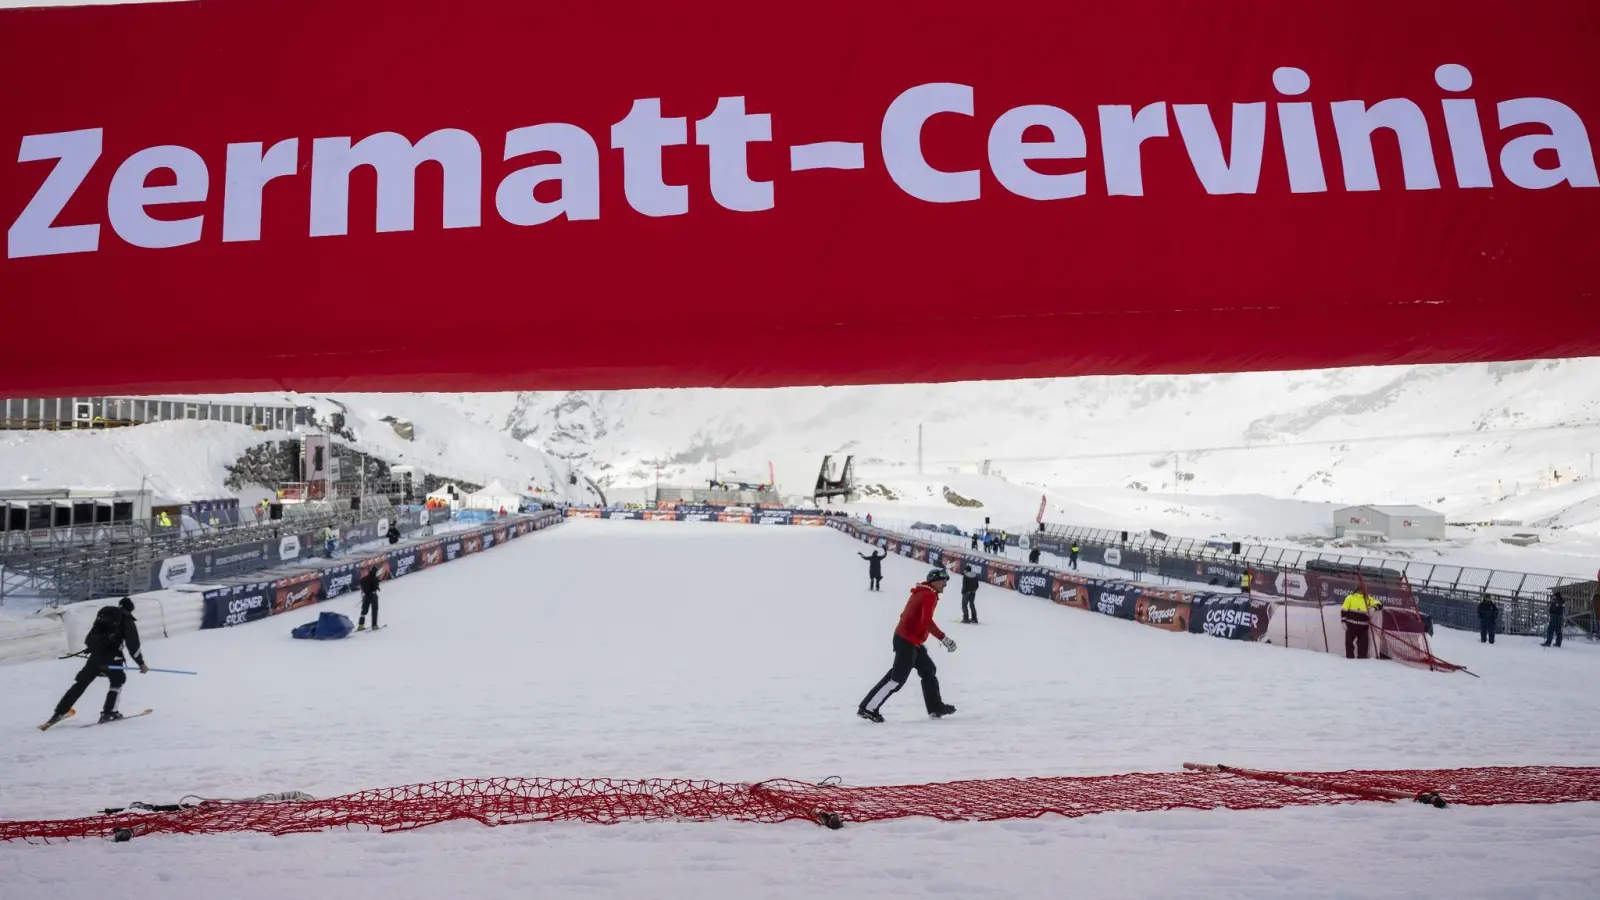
{"x": 1461, "y": 437}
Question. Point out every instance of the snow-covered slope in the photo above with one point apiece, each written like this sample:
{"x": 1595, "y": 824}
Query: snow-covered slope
{"x": 1463, "y": 438}
{"x": 186, "y": 460}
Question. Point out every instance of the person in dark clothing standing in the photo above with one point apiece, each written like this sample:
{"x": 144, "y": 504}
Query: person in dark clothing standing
{"x": 1072, "y": 558}
{"x": 113, "y": 630}
{"x": 369, "y": 599}
{"x": 394, "y": 533}
{"x": 916, "y": 623}
{"x": 874, "y": 569}
{"x": 1488, "y": 614}
{"x": 974, "y": 540}
{"x": 1558, "y": 619}
{"x": 1033, "y": 555}
{"x": 969, "y": 596}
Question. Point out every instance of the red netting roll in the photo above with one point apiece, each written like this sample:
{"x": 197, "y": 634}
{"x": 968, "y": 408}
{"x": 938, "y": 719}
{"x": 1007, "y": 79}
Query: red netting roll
{"x": 503, "y": 801}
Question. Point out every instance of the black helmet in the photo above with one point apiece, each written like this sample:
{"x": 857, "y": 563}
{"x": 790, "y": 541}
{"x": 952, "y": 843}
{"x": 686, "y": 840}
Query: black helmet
{"x": 126, "y": 603}
{"x": 937, "y": 575}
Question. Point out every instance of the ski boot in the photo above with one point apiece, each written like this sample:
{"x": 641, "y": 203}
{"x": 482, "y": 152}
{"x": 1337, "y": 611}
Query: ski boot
{"x": 109, "y": 715}
{"x": 869, "y": 715}
{"x": 944, "y": 710}
{"x": 54, "y": 718}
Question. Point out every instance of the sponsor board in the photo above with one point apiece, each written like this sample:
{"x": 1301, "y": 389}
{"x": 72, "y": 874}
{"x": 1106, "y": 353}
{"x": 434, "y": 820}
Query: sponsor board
{"x": 1232, "y": 617}
{"x": 176, "y": 570}
{"x": 1115, "y": 599}
{"x": 430, "y": 554}
{"x": 289, "y": 547}
{"x": 658, "y": 516}
{"x": 453, "y": 548}
{"x": 1291, "y": 584}
{"x": 487, "y": 538}
{"x": 295, "y": 591}
{"x": 403, "y": 562}
{"x": 1033, "y": 584}
{"x": 583, "y": 513}
{"x": 1169, "y": 612}
{"x": 809, "y": 521}
{"x": 235, "y": 605}
{"x": 697, "y": 517}
{"x": 471, "y": 543}
{"x": 741, "y": 518}
{"x": 1113, "y": 556}
{"x": 341, "y": 580}
{"x": 771, "y": 517}
{"x": 1069, "y": 593}
{"x": 1001, "y": 576}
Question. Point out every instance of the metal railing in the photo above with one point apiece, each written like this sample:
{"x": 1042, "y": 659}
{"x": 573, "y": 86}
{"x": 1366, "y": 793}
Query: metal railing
{"x": 69, "y": 573}
{"x": 1524, "y": 597}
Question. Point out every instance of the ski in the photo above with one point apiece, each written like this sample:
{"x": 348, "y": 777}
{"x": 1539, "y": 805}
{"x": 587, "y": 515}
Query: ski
{"x": 373, "y": 628}
{"x": 48, "y": 725}
{"x": 123, "y": 719}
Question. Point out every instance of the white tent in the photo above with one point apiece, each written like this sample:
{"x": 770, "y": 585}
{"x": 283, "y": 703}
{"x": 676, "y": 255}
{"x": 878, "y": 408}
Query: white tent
{"x": 494, "y": 496}
{"x": 450, "y": 495}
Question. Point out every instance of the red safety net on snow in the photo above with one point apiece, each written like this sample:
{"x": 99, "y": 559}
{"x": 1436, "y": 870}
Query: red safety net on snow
{"x": 505, "y": 801}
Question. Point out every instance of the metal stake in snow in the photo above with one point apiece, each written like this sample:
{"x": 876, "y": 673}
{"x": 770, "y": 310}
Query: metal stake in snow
{"x": 169, "y": 671}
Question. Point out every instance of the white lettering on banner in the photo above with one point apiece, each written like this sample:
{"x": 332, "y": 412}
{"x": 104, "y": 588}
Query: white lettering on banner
{"x": 401, "y": 565}
{"x": 1032, "y": 584}
{"x": 696, "y": 517}
{"x": 339, "y": 584}
{"x": 1559, "y": 152}
{"x": 176, "y": 570}
{"x": 1160, "y": 615}
{"x": 773, "y": 520}
{"x": 1108, "y": 603}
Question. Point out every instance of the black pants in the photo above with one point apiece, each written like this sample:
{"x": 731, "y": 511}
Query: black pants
{"x": 969, "y": 607}
{"x": 1552, "y": 632}
{"x": 369, "y": 601}
{"x": 1485, "y": 632}
{"x": 874, "y": 582}
{"x": 1355, "y": 640}
{"x": 907, "y": 656}
{"x": 1073, "y": 561}
{"x": 92, "y": 669}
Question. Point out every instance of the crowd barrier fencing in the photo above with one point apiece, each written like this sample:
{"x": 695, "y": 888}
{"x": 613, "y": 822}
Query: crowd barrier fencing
{"x": 1302, "y": 624}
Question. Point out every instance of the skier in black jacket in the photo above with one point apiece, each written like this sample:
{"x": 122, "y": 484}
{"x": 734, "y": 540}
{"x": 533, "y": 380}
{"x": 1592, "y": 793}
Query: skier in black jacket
{"x": 394, "y": 534}
{"x": 369, "y": 599}
{"x": 113, "y": 629}
{"x": 874, "y": 569}
{"x": 1033, "y": 555}
{"x": 1488, "y": 612}
{"x": 969, "y": 596}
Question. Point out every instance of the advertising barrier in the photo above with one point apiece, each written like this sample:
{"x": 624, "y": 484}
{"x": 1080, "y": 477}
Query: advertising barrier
{"x": 1230, "y": 616}
{"x": 239, "y": 603}
{"x": 735, "y": 515}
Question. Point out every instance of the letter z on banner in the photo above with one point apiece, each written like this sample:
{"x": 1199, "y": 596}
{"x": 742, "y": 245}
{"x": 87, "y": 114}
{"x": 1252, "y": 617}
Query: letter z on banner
{"x": 1084, "y": 194}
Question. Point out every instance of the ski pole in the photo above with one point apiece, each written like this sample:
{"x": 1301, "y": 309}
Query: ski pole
{"x": 136, "y": 668}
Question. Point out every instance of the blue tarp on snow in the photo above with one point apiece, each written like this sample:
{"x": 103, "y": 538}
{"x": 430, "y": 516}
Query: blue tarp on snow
{"x": 330, "y": 626}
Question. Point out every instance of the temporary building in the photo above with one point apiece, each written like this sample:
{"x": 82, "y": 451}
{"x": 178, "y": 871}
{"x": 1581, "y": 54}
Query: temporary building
{"x": 494, "y": 496}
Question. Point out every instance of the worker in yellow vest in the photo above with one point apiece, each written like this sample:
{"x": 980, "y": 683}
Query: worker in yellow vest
{"x": 1357, "y": 618}
{"x": 1244, "y": 582}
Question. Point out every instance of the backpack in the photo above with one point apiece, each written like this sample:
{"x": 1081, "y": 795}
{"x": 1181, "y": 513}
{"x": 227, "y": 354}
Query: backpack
{"x": 105, "y": 635}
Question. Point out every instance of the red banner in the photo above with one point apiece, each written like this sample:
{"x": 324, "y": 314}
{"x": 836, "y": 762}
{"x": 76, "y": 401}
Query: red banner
{"x": 738, "y": 194}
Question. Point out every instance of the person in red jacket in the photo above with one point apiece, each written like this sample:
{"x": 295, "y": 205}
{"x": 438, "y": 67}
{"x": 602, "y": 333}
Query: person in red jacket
{"x": 916, "y": 623}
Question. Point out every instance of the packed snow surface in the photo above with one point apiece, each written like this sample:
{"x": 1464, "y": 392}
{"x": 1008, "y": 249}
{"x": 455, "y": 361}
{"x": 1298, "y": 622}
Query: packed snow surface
{"x": 738, "y": 653}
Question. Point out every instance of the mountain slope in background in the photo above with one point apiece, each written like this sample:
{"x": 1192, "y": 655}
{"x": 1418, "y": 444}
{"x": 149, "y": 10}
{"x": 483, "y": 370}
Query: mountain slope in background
{"x": 1469, "y": 439}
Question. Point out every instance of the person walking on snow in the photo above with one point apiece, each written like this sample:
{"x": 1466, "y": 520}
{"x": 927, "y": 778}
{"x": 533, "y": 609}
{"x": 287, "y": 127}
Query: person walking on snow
{"x": 1488, "y": 613}
{"x": 113, "y": 629}
{"x": 1072, "y": 559}
{"x": 969, "y": 596}
{"x": 1558, "y": 618}
{"x": 874, "y": 569}
{"x": 916, "y": 623}
{"x": 369, "y": 599}
{"x": 1357, "y": 615}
